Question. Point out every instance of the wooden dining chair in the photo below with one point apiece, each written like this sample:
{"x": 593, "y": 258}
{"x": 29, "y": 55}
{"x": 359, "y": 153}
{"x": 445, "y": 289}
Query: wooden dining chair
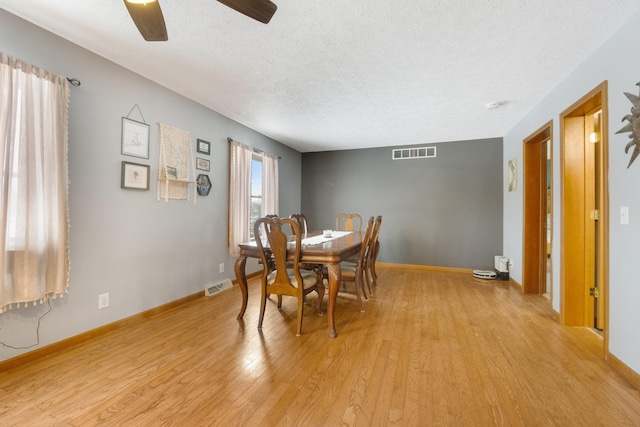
{"x": 355, "y": 271}
{"x": 349, "y": 222}
{"x": 301, "y": 219}
{"x": 372, "y": 255}
{"x": 280, "y": 280}
{"x": 269, "y": 258}
{"x": 302, "y": 222}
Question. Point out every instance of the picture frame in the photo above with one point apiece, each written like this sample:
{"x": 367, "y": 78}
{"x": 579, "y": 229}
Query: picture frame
{"x": 171, "y": 172}
{"x": 135, "y": 138}
{"x": 203, "y": 164}
{"x": 203, "y": 146}
{"x": 203, "y": 184}
{"x": 135, "y": 176}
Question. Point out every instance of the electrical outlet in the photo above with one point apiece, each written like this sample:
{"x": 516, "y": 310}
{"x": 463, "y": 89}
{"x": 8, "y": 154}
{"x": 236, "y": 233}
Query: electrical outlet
{"x": 103, "y": 301}
{"x": 222, "y": 268}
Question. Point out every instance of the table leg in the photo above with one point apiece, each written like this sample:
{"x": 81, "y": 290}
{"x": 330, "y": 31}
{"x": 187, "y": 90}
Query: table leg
{"x": 241, "y": 277}
{"x": 334, "y": 287}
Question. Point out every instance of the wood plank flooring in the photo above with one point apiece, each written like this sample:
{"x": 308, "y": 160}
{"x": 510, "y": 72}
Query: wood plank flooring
{"x": 432, "y": 348}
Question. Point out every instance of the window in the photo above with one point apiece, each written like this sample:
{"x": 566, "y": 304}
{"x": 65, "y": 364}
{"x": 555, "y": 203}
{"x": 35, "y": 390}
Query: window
{"x": 256, "y": 193}
{"x": 253, "y": 191}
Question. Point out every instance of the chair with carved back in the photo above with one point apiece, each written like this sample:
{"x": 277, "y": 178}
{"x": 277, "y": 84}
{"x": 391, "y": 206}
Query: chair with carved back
{"x": 302, "y": 223}
{"x": 349, "y": 222}
{"x": 372, "y": 255}
{"x": 269, "y": 259}
{"x": 274, "y": 242}
{"x": 355, "y": 271}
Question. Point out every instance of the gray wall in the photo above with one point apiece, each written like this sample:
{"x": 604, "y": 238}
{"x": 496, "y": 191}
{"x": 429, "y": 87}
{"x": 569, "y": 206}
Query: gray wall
{"x": 144, "y": 253}
{"x": 444, "y": 211}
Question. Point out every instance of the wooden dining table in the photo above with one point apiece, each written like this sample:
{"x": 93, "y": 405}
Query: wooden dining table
{"x": 329, "y": 253}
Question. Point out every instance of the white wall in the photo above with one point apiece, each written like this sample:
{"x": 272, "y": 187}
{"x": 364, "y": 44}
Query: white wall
{"x": 144, "y": 253}
{"x": 618, "y": 62}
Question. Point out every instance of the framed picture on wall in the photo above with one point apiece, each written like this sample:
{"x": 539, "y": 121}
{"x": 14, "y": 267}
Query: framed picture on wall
{"x": 204, "y": 184}
{"x": 134, "y": 176}
{"x": 202, "y": 164}
{"x": 135, "y": 138}
{"x": 172, "y": 172}
{"x": 203, "y": 146}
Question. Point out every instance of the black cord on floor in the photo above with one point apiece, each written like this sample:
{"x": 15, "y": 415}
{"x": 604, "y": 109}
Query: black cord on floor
{"x": 37, "y": 332}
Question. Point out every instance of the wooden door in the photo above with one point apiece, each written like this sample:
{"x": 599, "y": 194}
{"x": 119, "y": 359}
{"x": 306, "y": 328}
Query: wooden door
{"x": 593, "y": 230}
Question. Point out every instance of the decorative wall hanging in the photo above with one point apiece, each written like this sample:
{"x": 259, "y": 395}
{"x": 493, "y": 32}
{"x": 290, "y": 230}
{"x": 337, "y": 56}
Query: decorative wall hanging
{"x": 203, "y": 147}
{"x": 204, "y": 184}
{"x": 175, "y": 164}
{"x": 633, "y": 126}
{"x": 202, "y": 164}
{"x": 512, "y": 173}
{"x": 135, "y": 176}
{"x": 135, "y": 136}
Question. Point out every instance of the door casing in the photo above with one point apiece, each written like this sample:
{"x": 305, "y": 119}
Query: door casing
{"x": 534, "y": 269}
{"x": 575, "y": 246}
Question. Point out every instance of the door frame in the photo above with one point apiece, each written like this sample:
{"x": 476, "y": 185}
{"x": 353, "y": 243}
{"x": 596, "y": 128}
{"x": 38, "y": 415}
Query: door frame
{"x": 535, "y": 200}
{"x": 574, "y": 217}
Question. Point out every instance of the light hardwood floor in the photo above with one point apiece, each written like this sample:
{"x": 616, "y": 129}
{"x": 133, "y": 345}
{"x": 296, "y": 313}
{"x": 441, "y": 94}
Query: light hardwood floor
{"x": 431, "y": 348}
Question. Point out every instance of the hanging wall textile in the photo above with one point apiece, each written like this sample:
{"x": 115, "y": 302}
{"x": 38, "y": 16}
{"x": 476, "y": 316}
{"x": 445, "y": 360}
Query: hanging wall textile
{"x": 176, "y": 166}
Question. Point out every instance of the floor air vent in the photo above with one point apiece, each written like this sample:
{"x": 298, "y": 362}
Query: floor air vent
{"x": 413, "y": 153}
{"x": 213, "y": 289}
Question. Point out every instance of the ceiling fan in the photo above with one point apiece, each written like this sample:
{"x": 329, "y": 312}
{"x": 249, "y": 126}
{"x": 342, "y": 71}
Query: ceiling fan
{"x": 147, "y": 15}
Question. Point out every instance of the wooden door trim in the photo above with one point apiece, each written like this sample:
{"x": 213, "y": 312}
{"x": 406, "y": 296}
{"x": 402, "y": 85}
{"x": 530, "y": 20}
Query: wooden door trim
{"x": 596, "y": 98}
{"x": 534, "y": 208}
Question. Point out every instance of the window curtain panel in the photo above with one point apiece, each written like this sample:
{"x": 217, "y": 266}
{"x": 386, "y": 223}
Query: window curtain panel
{"x": 34, "y": 228}
{"x": 270, "y": 184}
{"x": 240, "y": 157}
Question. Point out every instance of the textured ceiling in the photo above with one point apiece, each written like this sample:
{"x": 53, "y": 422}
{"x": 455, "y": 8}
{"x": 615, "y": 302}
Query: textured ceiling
{"x": 338, "y": 74}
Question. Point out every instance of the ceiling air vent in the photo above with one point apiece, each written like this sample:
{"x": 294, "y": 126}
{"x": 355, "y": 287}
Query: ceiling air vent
{"x": 413, "y": 153}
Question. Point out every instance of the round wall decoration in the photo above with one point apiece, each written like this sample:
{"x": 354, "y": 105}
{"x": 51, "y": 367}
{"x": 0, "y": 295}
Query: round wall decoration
{"x": 633, "y": 126}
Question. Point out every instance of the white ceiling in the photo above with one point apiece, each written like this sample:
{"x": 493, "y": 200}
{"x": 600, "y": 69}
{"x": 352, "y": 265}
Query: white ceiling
{"x": 342, "y": 74}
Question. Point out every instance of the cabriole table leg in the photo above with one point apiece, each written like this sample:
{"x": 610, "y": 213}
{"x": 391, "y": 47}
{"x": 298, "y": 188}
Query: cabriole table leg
{"x": 241, "y": 277}
{"x": 334, "y": 287}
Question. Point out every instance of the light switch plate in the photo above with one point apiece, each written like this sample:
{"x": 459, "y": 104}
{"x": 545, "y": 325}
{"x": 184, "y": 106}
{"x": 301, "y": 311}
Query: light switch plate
{"x": 624, "y": 215}
{"x": 103, "y": 301}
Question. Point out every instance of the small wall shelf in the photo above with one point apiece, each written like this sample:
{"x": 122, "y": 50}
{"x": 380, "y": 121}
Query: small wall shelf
{"x": 178, "y": 180}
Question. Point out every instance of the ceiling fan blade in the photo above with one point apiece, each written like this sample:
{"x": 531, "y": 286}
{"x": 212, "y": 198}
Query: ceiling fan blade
{"x": 149, "y": 20}
{"x": 260, "y": 10}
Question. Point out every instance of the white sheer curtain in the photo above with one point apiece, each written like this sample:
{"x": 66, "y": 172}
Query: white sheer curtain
{"x": 34, "y": 227}
{"x": 269, "y": 184}
{"x": 239, "y": 195}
